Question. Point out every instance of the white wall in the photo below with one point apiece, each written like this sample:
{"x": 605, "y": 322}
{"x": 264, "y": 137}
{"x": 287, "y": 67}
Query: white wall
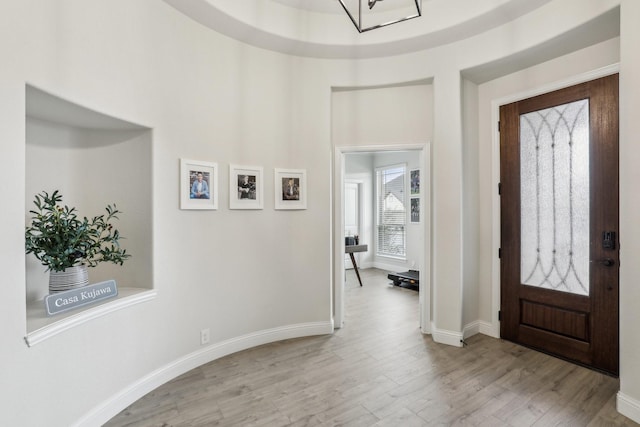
{"x": 208, "y": 97}
{"x": 382, "y": 116}
{"x": 359, "y": 168}
{"x": 629, "y": 396}
{"x": 471, "y": 202}
{"x": 249, "y": 276}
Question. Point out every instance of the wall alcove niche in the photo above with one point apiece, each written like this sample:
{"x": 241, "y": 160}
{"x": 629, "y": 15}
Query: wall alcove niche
{"x": 94, "y": 160}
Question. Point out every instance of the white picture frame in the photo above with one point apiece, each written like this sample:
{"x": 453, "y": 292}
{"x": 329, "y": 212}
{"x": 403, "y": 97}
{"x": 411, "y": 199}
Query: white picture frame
{"x": 290, "y": 188}
{"x": 415, "y": 210}
{"x": 246, "y": 187}
{"x": 201, "y": 195}
{"x": 414, "y": 182}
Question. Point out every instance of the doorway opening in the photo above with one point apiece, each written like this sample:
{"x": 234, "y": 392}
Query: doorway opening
{"x": 356, "y": 211}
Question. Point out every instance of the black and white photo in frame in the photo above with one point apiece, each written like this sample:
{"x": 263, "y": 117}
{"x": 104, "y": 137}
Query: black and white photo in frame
{"x": 290, "y": 189}
{"x": 415, "y": 209}
{"x": 415, "y": 182}
{"x": 245, "y": 187}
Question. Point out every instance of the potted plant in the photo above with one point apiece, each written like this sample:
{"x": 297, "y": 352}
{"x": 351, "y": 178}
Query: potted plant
{"x": 67, "y": 244}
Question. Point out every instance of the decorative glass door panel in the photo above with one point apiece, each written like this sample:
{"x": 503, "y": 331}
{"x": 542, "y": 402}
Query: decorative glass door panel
{"x": 554, "y": 197}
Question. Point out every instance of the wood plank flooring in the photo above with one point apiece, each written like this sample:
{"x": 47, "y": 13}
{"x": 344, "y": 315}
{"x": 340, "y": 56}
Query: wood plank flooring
{"x": 379, "y": 370}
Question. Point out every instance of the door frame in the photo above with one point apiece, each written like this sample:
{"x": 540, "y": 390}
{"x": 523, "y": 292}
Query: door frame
{"x": 495, "y": 170}
{"x": 338, "y": 276}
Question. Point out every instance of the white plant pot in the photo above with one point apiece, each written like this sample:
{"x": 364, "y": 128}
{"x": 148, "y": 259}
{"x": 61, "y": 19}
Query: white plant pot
{"x": 71, "y": 278}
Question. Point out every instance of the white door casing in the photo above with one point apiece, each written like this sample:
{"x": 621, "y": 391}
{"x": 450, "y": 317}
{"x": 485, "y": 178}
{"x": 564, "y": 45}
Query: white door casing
{"x": 338, "y": 259}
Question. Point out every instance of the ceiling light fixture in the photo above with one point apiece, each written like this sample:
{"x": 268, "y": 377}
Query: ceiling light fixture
{"x": 367, "y": 18}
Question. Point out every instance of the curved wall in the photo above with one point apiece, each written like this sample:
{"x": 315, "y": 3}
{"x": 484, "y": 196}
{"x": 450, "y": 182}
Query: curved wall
{"x": 249, "y": 276}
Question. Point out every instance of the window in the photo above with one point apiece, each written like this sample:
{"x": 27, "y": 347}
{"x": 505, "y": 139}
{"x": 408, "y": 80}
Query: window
{"x": 391, "y": 218}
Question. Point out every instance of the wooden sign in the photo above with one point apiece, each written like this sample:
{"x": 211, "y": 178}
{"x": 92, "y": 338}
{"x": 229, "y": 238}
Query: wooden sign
{"x": 74, "y": 298}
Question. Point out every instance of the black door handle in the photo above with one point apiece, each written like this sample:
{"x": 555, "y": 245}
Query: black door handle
{"x": 607, "y": 262}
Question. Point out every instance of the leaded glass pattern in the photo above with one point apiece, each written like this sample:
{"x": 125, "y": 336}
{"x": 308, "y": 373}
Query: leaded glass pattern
{"x": 554, "y": 174}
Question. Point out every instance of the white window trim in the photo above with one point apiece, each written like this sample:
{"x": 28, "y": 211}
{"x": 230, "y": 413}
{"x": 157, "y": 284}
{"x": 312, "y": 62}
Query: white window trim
{"x": 377, "y": 211}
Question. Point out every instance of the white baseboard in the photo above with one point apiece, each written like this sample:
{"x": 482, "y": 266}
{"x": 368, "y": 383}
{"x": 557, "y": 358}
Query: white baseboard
{"x": 111, "y": 407}
{"x": 361, "y": 266}
{"x": 628, "y": 406}
{"x": 389, "y": 267}
{"x": 471, "y": 329}
{"x": 479, "y": 327}
{"x": 446, "y": 337}
{"x": 455, "y": 338}
{"x": 490, "y": 329}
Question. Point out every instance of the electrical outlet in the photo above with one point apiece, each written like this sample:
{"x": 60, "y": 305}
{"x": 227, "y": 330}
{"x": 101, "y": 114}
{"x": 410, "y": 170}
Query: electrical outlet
{"x": 204, "y": 336}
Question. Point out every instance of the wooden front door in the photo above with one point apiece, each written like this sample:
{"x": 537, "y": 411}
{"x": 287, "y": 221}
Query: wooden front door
{"x": 559, "y": 223}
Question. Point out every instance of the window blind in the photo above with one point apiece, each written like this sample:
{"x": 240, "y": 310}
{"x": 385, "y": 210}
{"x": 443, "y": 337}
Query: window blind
{"x": 391, "y": 218}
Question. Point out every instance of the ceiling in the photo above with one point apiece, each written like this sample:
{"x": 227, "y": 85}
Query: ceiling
{"x": 321, "y": 28}
{"x": 322, "y": 6}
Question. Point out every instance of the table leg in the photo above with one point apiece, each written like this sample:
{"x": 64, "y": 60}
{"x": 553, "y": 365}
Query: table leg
{"x": 355, "y": 266}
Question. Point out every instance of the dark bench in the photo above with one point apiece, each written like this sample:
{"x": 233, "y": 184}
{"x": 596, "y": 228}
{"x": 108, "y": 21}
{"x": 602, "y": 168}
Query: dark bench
{"x": 409, "y": 278}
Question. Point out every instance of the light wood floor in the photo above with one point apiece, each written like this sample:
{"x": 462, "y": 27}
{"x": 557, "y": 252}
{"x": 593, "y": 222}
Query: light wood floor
{"x": 379, "y": 370}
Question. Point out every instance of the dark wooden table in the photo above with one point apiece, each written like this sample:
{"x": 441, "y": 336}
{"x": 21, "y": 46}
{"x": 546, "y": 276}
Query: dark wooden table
{"x": 351, "y": 249}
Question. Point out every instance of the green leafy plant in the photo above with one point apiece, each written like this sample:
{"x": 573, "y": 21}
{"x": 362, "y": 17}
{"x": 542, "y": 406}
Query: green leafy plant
{"x": 59, "y": 239}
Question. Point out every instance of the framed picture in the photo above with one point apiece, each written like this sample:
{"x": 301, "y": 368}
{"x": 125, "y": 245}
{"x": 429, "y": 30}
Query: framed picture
{"x": 415, "y": 209}
{"x": 415, "y": 182}
{"x": 290, "y": 188}
{"x": 198, "y": 184}
{"x": 245, "y": 187}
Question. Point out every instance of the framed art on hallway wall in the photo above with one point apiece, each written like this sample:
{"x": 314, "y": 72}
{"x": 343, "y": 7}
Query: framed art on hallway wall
{"x": 415, "y": 182}
{"x": 290, "y": 189}
{"x": 198, "y": 184}
{"x": 245, "y": 187}
{"x": 415, "y": 210}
